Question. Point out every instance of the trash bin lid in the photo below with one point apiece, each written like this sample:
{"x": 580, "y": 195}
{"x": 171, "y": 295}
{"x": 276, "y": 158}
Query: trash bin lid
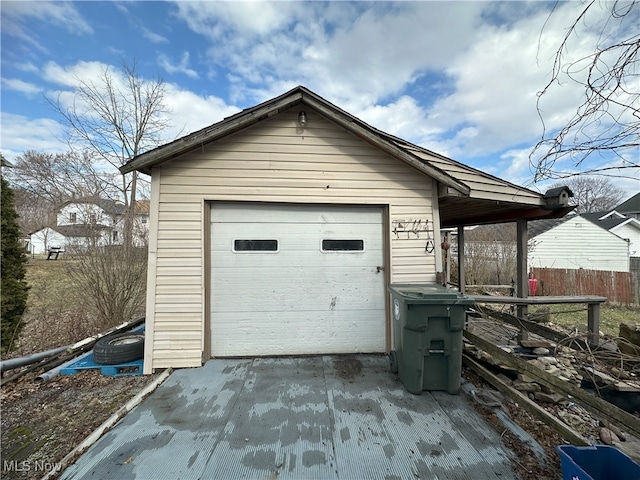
{"x": 428, "y": 293}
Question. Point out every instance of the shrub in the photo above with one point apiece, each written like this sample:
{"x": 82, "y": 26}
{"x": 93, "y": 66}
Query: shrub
{"x": 14, "y": 287}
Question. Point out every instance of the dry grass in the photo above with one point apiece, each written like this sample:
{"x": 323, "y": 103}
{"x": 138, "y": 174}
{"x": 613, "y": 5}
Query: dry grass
{"x": 57, "y": 311}
{"x": 574, "y": 316}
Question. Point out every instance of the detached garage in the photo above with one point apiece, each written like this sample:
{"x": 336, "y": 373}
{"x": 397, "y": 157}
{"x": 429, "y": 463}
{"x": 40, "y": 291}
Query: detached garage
{"x": 278, "y": 230}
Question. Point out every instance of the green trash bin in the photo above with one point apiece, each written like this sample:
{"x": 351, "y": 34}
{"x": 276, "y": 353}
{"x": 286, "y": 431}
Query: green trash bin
{"x": 428, "y": 320}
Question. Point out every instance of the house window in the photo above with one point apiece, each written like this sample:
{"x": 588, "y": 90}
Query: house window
{"x": 343, "y": 245}
{"x": 114, "y": 236}
{"x": 72, "y": 217}
{"x": 92, "y": 218}
{"x": 144, "y": 219}
{"x": 255, "y": 246}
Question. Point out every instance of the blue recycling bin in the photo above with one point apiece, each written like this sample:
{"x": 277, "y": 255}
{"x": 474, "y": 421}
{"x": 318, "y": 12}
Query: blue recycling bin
{"x": 599, "y": 462}
{"x": 428, "y": 321}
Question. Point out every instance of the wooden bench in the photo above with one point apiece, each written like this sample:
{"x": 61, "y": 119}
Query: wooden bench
{"x": 593, "y": 306}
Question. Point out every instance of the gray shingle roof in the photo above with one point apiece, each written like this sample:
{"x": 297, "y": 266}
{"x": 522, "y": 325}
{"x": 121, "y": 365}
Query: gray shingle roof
{"x": 631, "y": 205}
{"x": 606, "y": 223}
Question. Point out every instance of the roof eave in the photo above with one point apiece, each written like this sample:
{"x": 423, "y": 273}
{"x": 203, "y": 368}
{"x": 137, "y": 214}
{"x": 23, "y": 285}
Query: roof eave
{"x": 243, "y": 119}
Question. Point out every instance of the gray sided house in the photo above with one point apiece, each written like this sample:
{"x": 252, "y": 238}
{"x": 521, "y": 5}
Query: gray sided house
{"x": 278, "y": 230}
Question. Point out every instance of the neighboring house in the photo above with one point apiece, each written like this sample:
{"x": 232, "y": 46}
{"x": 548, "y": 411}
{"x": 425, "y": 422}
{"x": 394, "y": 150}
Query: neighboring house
{"x": 141, "y": 223}
{"x": 69, "y": 238}
{"x": 631, "y": 207}
{"x": 624, "y": 227}
{"x": 278, "y": 231}
{"x": 84, "y": 222}
{"x": 591, "y": 241}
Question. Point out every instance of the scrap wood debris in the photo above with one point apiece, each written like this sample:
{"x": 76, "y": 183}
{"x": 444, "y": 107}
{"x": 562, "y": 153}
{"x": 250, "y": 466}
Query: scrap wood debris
{"x": 605, "y": 369}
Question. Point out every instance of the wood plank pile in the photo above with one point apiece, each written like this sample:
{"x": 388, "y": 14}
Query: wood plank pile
{"x": 563, "y": 381}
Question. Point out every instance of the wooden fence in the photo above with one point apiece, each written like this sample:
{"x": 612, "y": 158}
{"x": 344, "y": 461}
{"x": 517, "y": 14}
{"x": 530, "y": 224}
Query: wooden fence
{"x": 619, "y": 287}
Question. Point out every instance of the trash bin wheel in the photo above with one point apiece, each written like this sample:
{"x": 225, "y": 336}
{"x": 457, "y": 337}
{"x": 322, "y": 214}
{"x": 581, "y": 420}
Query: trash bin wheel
{"x": 393, "y": 361}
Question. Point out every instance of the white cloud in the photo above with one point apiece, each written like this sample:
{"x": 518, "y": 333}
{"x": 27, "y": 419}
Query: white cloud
{"x": 152, "y": 36}
{"x": 26, "y": 67}
{"x": 191, "y": 112}
{"x": 497, "y": 83}
{"x": 73, "y": 75}
{"x": 17, "y": 18}
{"x": 353, "y": 54}
{"x": 188, "y": 112}
{"x": 403, "y": 118}
{"x": 181, "y": 67}
{"x": 20, "y": 134}
{"x": 29, "y": 89}
{"x": 213, "y": 19}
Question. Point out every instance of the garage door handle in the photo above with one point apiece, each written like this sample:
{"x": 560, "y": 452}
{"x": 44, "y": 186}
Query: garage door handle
{"x": 379, "y": 269}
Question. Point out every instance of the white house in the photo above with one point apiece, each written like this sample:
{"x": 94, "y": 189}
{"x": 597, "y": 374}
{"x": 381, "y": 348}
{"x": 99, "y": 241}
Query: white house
{"x": 278, "y": 230}
{"x": 631, "y": 207}
{"x": 82, "y": 222}
{"x": 578, "y": 242}
{"x": 623, "y": 226}
{"x": 69, "y": 238}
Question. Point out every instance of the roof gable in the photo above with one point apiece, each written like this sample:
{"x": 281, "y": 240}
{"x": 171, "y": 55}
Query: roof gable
{"x": 568, "y": 227}
{"x": 305, "y": 99}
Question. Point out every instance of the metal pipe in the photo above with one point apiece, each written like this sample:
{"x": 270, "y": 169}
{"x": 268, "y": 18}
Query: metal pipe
{"x": 29, "y": 359}
{"x": 53, "y": 373}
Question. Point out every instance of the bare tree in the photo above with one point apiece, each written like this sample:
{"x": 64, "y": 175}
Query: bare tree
{"x": 117, "y": 116}
{"x": 55, "y": 178}
{"x": 608, "y": 120}
{"x": 113, "y": 278}
{"x": 592, "y": 194}
{"x": 490, "y": 254}
{"x": 33, "y": 212}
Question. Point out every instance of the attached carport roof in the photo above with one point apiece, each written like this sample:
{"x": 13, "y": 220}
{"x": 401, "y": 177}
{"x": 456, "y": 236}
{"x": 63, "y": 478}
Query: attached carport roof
{"x": 467, "y": 196}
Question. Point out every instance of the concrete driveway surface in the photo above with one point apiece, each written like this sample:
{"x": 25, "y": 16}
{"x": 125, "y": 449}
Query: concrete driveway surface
{"x": 324, "y": 417}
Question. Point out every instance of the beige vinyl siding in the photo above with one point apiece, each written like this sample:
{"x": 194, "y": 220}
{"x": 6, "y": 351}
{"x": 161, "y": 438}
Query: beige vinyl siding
{"x": 272, "y": 161}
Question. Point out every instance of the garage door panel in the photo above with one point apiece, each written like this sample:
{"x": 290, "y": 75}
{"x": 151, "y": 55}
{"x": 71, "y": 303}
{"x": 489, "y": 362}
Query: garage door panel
{"x": 292, "y": 299}
{"x": 336, "y": 333}
{"x": 277, "y": 213}
{"x": 298, "y": 299}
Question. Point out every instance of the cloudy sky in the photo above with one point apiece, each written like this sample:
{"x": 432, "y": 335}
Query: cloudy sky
{"x": 459, "y": 78}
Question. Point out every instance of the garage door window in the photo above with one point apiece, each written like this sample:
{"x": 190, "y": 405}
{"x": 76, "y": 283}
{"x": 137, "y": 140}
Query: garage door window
{"x": 253, "y": 246}
{"x": 345, "y": 246}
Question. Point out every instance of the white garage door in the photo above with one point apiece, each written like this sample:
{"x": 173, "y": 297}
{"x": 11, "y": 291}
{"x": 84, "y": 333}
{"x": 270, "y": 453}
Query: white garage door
{"x": 290, "y": 280}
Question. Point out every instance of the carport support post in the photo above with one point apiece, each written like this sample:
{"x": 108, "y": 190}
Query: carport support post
{"x": 461, "y": 279}
{"x": 522, "y": 282}
{"x": 593, "y": 323}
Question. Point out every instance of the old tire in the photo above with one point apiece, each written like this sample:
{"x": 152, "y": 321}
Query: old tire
{"x": 119, "y": 348}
